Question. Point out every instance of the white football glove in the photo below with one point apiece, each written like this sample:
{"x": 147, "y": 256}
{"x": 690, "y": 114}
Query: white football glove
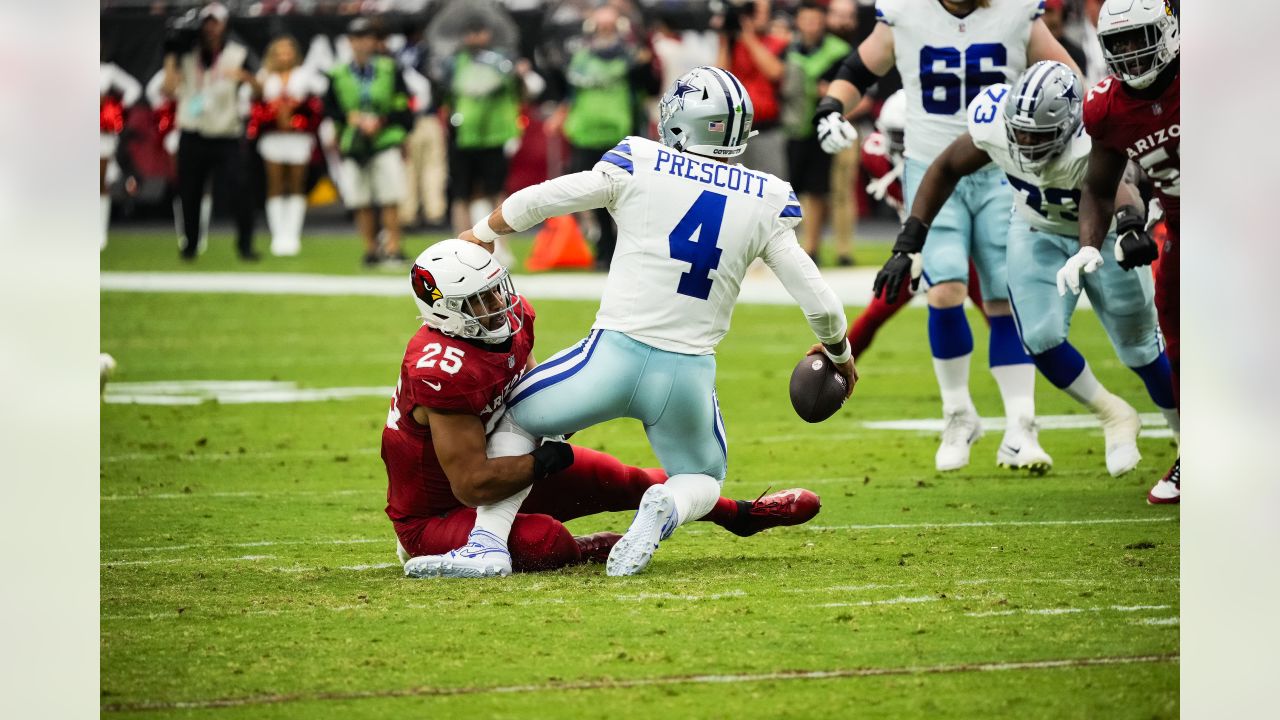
{"x": 836, "y": 134}
{"x": 1086, "y": 261}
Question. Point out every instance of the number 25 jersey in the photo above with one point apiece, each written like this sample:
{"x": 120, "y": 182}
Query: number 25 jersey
{"x": 688, "y": 229}
{"x": 945, "y": 61}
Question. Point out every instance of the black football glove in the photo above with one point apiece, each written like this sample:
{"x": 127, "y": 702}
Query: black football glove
{"x": 550, "y": 458}
{"x": 1134, "y": 245}
{"x": 905, "y": 264}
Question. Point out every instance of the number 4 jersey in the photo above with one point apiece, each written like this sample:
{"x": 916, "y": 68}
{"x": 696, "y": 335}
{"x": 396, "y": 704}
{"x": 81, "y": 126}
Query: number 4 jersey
{"x": 1049, "y": 198}
{"x": 946, "y": 61}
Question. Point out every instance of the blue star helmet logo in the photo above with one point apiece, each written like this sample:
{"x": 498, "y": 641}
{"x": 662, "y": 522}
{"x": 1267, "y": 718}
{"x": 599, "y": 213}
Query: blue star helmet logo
{"x": 682, "y": 89}
{"x": 1070, "y": 93}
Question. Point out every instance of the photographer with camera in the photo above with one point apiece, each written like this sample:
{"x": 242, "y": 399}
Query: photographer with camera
{"x": 368, "y": 102}
{"x": 756, "y": 58}
{"x": 203, "y": 72}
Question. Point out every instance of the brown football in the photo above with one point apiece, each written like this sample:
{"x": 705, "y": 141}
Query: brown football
{"x": 817, "y": 388}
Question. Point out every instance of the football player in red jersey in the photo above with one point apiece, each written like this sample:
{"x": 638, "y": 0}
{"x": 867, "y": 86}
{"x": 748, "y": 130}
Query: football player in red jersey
{"x": 1133, "y": 115}
{"x": 882, "y": 162}
{"x": 446, "y": 451}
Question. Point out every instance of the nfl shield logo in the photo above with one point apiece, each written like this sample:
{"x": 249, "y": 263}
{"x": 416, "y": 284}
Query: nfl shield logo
{"x": 511, "y": 361}
{"x": 1156, "y": 109}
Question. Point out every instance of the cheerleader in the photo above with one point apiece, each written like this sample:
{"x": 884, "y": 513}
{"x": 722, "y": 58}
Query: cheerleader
{"x": 117, "y": 91}
{"x": 283, "y": 119}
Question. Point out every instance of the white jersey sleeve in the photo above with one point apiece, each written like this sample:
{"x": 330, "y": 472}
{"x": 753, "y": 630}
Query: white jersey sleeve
{"x": 688, "y": 229}
{"x": 795, "y": 269}
{"x": 947, "y": 61}
{"x": 1048, "y": 198}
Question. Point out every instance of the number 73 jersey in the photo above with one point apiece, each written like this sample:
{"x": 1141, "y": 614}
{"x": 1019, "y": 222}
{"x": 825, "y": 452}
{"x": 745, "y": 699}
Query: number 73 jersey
{"x": 1048, "y": 198}
{"x": 688, "y": 229}
{"x": 946, "y": 61}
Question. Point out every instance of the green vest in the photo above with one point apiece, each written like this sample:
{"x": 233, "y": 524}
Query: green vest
{"x": 600, "y": 111}
{"x": 800, "y": 84}
{"x": 377, "y": 95}
{"x": 486, "y": 103}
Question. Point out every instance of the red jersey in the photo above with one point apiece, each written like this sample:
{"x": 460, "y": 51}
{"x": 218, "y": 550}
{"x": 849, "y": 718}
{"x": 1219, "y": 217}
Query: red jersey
{"x": 445, "y": 373}
{"x": 1145, "y": 131}
{"x": 877, "y": 163}
{"x": 763, "y": 91}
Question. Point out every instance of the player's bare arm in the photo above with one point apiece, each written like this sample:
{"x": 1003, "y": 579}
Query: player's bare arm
{"x": 859, "y": 71}
{"x": 1097, "y": 201}
{"x": 961, "y": 158}
{"x": 475, "y": 478}
{"x": 1042, "y": 45}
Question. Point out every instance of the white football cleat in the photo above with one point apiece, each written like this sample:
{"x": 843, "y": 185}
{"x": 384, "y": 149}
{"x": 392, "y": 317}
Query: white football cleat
{"x": 1020, "y": 449}
{"x": 654, "y": 521}
{"x": 960, "y": 430}
{"x": 483, "y": 556}
{"x": 401, "y": 554}
{"x": 1120, "y": 426}
{"x": 1169, "y": 490}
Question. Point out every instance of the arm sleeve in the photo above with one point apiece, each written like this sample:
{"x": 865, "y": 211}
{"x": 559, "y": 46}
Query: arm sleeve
{"x": 560, "y": 196}
{"x": 800, "y": 277}
{"x": 130, "y": 89}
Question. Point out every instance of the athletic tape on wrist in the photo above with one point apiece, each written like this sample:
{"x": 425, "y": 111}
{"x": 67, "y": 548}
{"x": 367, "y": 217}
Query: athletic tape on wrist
{"x": 845, "y": 356}
{"x": 483, "y": 232}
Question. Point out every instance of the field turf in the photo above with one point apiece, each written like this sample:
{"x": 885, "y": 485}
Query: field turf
{"x": 248, "y": 570}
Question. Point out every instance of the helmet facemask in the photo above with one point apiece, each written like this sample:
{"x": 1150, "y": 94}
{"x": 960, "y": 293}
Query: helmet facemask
{"x": 1042, "y": 113}
{"x": 1139, "y": 40}
{"x": 1034, "y": 147}
{"x": 491, "y": 314}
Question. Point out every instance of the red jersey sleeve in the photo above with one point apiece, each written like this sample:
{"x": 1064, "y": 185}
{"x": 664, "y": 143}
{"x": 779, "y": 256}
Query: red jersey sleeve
{"x": 1097, "y": 109}
{"x": 438, "y": 378}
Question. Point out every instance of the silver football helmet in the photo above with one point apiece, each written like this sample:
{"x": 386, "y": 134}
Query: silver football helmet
{"x": 1139, "y": 38}
{"x": 706, "y": 112}
{"x": 1042, "y": 113}
{"x": 461, "y": 290}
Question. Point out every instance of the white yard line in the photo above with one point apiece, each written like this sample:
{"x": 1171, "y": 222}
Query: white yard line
{"x": 581, "y": 685}
{"x": 889, "y": 601}
{"x": 1066, "y": 610}
{"x": 193, "y": 561}
{"x": 1157, "y": 621}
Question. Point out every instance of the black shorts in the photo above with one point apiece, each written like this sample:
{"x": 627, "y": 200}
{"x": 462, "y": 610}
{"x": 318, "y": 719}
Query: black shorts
{"x": 478, "y": 172}
{"x": 809, "y": 167}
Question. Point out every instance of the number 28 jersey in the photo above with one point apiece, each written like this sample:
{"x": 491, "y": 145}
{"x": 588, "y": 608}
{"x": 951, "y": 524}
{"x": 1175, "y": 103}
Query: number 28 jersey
{"x": 688, "y": 229}
{"x": 946, "y": 61}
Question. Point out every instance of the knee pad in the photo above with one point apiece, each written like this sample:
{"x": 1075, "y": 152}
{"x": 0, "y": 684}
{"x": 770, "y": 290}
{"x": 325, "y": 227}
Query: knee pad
{"x": 540, "y": 542}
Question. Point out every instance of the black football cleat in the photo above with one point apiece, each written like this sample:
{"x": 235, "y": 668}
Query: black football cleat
{"x": 786, "y": 507}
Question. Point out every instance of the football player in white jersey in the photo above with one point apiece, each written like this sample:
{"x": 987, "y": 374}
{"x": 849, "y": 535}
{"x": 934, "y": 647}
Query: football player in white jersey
{"x": 1034, "y": 132}
{"x": 689, "y": 225}
{"x": 948, "y": 52}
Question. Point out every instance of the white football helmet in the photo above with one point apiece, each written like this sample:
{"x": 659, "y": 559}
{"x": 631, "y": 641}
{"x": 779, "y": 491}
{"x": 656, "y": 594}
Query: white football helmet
{"x": 1139, "y": 38}
{"x": 463, "y": 291}
{"x": 707, "y": 112}
{"x": 892, "y": 122}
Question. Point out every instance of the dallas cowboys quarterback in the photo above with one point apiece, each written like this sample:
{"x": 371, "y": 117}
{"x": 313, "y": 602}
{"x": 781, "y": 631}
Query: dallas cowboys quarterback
{"x": 1033, "y": 131}
{"x": 689, "y": 226}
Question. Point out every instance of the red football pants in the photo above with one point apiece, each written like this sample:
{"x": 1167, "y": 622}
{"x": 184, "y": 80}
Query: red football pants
{"x": 595, "y": 483}
{"x": 1168, "y": 288}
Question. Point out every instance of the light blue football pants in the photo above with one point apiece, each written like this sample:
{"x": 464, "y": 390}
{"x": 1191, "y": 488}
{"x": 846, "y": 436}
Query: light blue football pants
{"x": 609, "y": 375}
{"x": 1123, "y": 300}
{"x": 974, "y": 223}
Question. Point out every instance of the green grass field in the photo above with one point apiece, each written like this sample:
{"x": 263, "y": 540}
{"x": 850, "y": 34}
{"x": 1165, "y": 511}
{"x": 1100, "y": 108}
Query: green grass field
{"x": 247, "y": 565}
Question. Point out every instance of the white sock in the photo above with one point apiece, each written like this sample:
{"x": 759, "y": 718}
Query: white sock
{"x": 298, "y": 203}
{"x": 506, "y": 440}
{"x": 105, "y": 204}
{"x": 1018, "y": 389}
{"x": 206, "y": 212}
{"x": 276, "y": 224}
{"x": 695, "y": 495}
{"x": 1086, "y": 389}
{"x": 1173, "y": 417}
{"x": 953, "y": 382}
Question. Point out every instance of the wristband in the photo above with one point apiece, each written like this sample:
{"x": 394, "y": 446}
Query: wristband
{"x": 550, "y": 458}
{"x": 1129, "y": 217}
{"x": 846, "y": 352}
{"x": 483, "y": 232}
{"x": 826, "y": 106}
{"x": 911, "y": 238}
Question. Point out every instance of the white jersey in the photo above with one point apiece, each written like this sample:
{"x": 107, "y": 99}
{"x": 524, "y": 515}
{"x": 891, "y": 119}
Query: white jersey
{"x": 688, "y": 229}
{"x": 946, "y": 61}
{"x": 1048, "y": 199}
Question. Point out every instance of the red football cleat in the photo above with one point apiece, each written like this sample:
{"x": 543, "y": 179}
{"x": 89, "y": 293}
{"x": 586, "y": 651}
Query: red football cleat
{"x": 595, "y": 548}
{"x": 787, "y": 507}
{"x": 1169, "y": 490}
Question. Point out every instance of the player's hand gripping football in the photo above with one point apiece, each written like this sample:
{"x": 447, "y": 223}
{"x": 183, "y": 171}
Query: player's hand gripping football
{"x": 846, "y": 369}
{"x": 1135, "y": 246}
{"x": 834, "y": 132}
{"x": 906, "y": 262}
{"x": 1086, "y": 261}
